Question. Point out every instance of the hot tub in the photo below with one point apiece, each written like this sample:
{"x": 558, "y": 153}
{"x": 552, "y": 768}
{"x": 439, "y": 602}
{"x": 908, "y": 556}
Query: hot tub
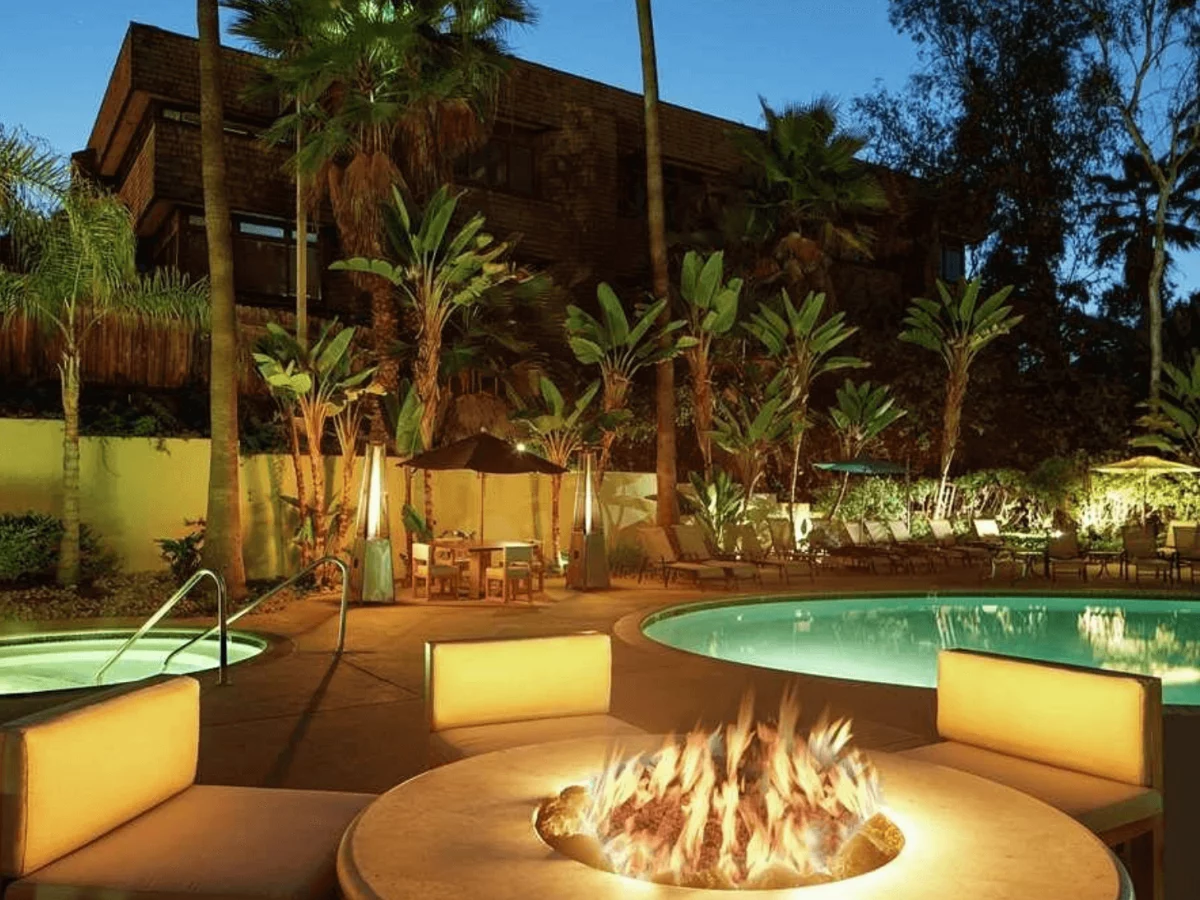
{"x": 895, "y": 640}
{"x": 70, "y": 660}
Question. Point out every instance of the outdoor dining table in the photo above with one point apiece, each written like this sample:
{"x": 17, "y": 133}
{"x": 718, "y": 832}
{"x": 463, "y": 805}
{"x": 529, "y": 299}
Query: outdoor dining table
{"x": 481, "y": 554}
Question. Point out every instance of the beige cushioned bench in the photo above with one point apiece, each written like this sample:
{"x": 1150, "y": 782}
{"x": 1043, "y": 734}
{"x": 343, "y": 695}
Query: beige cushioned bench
{"x": 1083, "y": 740}
{"x": 98, "y": 801}
{"x": 485, "y": 695}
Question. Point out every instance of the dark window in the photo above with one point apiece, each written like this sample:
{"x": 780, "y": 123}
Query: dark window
{"x": 506, "y": 163}
{"x": 264, "y": 256}
{"x": 190, "y": 117}
{"x": 954, "y": 263}
{"x": 684, "y": 192}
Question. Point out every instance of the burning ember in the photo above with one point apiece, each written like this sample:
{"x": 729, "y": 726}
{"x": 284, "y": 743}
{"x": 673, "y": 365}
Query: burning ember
{"x": 745, "y": 806}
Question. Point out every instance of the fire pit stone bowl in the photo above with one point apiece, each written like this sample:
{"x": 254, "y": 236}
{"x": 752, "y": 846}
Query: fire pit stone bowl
{"x": 467, "y": 830}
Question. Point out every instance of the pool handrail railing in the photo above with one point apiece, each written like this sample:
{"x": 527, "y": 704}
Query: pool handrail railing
{"x": 167, "y": 606}
{"x": 253, "y": 604}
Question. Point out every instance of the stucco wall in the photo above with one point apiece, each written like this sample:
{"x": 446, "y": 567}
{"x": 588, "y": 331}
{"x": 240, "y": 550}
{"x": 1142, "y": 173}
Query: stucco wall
{"x": 134, "y": 490}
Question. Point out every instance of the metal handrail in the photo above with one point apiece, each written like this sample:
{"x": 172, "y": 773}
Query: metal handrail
{"x": 253, "y": 604}
{"x": 184, "y": 590}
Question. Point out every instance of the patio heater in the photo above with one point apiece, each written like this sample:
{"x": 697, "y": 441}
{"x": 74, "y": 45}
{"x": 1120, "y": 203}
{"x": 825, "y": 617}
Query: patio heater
{"x": 587, "y": 560}
{"x": 371, "y": 578}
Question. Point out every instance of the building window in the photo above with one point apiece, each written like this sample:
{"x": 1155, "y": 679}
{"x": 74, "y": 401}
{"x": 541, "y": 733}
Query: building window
{"x": 954, "y": 263}
{"x": 684, "y": 191}
{"x": 506, "y": 163}
{"x": 190, "y": 117}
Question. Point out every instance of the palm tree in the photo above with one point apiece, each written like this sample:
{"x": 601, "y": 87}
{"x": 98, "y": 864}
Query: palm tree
{"x": 561, "y": 433}
{"x": 281, "y": 30}
{"x": 222, "y": 549}
{"x": 411, "y": 82}
{"x": 809, "y": 189}
{"x": 76, "y": 269}
{"x": 711, "y": 311}
{"x": 1124, "y": 220}
{"x": 802, "y": 343}
{"x": 621, "y": 350}
{"x": 957, "y": 329}
{"x": 667, "y": 508}
{"x": 437, "y": 273}
{"x": 749, "y": 428}
{"x": 31, "y": 177}
{"x": 862, "y": 413}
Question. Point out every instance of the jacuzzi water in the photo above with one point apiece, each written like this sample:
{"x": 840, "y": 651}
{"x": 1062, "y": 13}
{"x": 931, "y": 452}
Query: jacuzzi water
{"x": 895, "y": 640}
{"x": 61, "y": 661}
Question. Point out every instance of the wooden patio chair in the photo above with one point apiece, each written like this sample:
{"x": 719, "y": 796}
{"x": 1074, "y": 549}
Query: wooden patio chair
{"x": 1064, "y": 553}
{"x": 514, "y": 575}
{"x": 433, "y": 564}
{"x": 1187, "y": 550}
{"x": 1141, "y": 553}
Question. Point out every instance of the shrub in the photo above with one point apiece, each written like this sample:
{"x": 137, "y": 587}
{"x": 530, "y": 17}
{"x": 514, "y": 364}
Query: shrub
{"x": 183, "y": 554}
{"x": 626, "y": 558}
{"x": 29, "y": 549}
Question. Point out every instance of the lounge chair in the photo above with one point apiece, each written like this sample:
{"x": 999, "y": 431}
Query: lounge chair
{"x": 494, "y": 694}
{"x": 1187, "y": 551}
{"x": 694, "y": 547}
{"x": 871, "y": 552}
{"x": 783, "y": 538}
{"x": 904, "y": 539}
{"x": 660, "y": 556}
{"x": 1063, "y": 553}
{"x": 752, "y": 551}
{"x": 100, "y": 800}
{"x": 826, "y": 540}
{"x": 1141, "y": 553}
{"x": 969, "y": 554}
{"x": 1086, "y": 741}
{"x": 987, "y": 533}
{"x": 910, "y": 553}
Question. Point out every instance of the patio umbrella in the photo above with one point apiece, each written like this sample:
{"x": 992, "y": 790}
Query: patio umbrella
{"x": 486, "y": 455}
{"x": 1147, "y": 467}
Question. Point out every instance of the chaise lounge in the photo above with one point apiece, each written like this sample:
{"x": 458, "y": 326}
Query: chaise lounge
{"x": 99, "y": 802}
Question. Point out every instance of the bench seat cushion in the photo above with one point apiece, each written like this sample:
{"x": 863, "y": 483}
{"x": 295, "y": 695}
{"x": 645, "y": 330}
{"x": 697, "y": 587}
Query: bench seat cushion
{"x": 209, "y": 842}
{"x": 1097, "y": 803}
{"x": 472, "y": 740}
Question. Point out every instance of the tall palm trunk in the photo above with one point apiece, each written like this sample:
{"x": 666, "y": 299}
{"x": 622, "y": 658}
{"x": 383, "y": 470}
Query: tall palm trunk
{"x": 555, "y": 543}
{"x": 68, "y": 550}
{"x": 223, "y": 530}
{"x": 1154, "y": 294}
{"x": 385, "y": 329}
{"x": 956, "y": 391}
{"x": 301, "y": 250}
{"x": 425, "y": 381}
{"x": 664, "y": 395}
{"x": 702, "y": 395}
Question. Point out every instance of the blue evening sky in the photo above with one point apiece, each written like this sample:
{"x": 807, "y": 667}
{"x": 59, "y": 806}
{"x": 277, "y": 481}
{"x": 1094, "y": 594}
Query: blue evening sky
{"x": 713, "y": 55}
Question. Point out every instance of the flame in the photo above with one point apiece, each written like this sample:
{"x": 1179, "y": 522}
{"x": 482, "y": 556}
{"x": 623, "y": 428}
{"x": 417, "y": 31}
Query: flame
{"x": 736, "y": 805}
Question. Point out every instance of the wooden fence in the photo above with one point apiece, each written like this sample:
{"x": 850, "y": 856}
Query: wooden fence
{"x": 119, "y": 351}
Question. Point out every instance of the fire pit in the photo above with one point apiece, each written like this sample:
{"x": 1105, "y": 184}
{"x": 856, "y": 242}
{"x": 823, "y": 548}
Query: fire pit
{"x": 468, "y": 830}
{"x": 747, "y": 806}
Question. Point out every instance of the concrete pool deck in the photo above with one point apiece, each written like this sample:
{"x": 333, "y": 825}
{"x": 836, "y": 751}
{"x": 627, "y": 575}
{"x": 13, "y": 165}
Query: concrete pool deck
{"x": 299, "y": 717}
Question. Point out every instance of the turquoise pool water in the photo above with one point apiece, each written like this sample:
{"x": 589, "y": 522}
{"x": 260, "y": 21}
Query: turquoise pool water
{"x": 56, "y": 662}
{"x": 895, "y": 640}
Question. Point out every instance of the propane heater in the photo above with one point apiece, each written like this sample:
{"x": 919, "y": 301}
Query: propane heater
{"x": 587, "y": 562}
{"x": 371, "y": 567}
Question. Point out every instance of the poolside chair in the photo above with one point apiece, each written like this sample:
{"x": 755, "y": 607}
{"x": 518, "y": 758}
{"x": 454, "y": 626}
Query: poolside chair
{"x": 433, "y": 565}
{"x": 944, "y": 535}
{"x": 1141, "y": 553}
{"x": 1187, "y": 550}
{"x": 882, "y": 536}
{"x": 1086, "y": 741}
{"x": 660, "y": 555}
{"x": 100, "y": 800}
{"x": 987, "y": 532}
{"x": 693, "y": 547}
{"x": 1063, "y": 553}
{"x": 827, "y": 540}
{"x": 753, "y": 552}
{"x": 904, "y": 539}
{"x": 494, "y": 694}
{"x": 870, "y": 552}
{"x": 783, "y": 538}
{"x": 514, "y": 575}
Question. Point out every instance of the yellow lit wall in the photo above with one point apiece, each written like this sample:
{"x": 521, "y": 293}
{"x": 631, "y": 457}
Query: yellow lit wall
{"x": 134, "y": 490}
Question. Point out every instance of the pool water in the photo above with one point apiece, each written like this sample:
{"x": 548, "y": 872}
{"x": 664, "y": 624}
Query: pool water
{"x": 55, "y": 662}
{"x": 895, "y": 640}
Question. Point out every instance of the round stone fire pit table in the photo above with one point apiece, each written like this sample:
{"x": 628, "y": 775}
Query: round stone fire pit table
{"x": 466, "y": 830}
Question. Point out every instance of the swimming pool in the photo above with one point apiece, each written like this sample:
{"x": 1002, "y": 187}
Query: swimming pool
{"x": 66, "y": 660}
{"x": 895, "y": 640}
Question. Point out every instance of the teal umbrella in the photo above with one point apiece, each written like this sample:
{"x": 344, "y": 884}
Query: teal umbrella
{"x": 864, "y": 466}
